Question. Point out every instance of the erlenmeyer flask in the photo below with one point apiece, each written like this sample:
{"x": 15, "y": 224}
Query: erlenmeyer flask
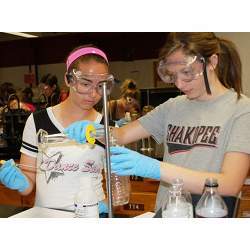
{"x": 211, "y": 204}
{"x": 178, "y": 203}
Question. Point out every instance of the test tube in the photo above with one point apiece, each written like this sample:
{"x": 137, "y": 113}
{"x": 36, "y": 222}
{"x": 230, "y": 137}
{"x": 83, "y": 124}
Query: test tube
{"x": 92, "y": 134}
{"x": 44, "y": 137}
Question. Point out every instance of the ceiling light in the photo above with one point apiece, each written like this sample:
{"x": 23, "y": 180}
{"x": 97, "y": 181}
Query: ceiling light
{"x": 21, "y": 34}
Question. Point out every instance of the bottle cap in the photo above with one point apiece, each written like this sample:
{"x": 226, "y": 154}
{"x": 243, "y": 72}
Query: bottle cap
{"x": 211, "y": 182}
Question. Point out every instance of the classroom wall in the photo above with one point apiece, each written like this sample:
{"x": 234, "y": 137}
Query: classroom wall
{"x": 139, "y": 70}
{"x": 242, "y": 41}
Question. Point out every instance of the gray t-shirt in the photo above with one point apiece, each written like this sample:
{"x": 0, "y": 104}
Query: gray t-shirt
{"x": 197, "y": 134}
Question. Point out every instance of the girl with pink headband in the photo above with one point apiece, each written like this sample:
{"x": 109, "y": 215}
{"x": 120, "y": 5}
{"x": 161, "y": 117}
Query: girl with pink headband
{"x": 85, "y": 51}
{"x": 57, "y": 183}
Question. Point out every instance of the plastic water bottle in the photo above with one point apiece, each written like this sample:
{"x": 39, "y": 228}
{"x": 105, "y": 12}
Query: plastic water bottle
{"x": 211, "y": 204}
{"x": 86, "y": 202}
{"x": 179, "y": 203}
{"x": 120, "y": 185}
{"x": 120, "y": 189}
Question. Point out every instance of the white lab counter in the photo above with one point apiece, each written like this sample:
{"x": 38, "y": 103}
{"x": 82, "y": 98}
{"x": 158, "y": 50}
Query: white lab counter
{"x": 40, "y": 212}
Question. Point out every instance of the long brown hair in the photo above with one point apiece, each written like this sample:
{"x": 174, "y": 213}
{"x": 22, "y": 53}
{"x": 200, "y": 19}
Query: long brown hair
{"x": 205, "y": 44}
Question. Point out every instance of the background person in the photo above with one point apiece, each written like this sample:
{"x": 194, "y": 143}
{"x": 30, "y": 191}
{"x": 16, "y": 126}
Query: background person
{"x": 50, "y": 89}
{"x": 27, "y": 98}
{"x": 22, "y": 100}
{"x": 129, "y": 101}
{"x": 6, "y": 89}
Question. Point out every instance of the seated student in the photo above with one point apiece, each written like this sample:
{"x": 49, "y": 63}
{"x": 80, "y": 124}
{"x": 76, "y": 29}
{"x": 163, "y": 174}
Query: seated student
{"x": 22, "y": 100}
{"x": 26, "y": 99}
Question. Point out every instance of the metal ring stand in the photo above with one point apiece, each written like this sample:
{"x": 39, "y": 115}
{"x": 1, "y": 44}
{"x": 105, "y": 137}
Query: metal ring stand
{"x": 107, "y": 149}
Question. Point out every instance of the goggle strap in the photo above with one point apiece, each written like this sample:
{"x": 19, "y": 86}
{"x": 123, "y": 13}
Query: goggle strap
{"x": 205, "y": 78}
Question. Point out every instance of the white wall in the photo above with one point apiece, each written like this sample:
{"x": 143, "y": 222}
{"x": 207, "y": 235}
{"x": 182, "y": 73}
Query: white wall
{"x": 242, "y": 41}
{"x": 14, "y": 75}
{"x": 55, "y": 69}
{"x": 140, "y": 70}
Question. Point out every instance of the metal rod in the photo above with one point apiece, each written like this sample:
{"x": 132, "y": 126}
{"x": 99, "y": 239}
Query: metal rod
{"x": 143, "y": 146}
{"x": 107, "y": 149}
{"x": 149, "y": 145}
{"x": 147, "y": 97}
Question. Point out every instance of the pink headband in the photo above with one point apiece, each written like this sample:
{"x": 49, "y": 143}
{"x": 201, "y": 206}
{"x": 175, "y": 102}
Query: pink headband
{"x": 85, "y": 51}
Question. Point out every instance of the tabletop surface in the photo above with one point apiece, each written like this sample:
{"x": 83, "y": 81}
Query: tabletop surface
{"x": 7, "y": 211}
{"x": 41, "y": 212}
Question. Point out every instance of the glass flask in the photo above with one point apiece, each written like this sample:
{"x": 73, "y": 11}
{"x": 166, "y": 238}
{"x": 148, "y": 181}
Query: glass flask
{"x": 178, "y": 203}
{"x": 178, "y": 184}
{"x": 211, "y": 204}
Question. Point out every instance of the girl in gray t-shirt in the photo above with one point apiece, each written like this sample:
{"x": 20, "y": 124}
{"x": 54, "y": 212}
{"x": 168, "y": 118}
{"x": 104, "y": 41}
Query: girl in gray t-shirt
{"x": 205, "y": 130}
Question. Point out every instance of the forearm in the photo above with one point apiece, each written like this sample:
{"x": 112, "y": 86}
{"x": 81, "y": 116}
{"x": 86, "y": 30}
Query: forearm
{"x": 233, "y": 170}
{"x": 131, "y": 132}
{"x": 28, "y": 167}
{"x": 194, "y": 180}
{"x": 29, "y": 189}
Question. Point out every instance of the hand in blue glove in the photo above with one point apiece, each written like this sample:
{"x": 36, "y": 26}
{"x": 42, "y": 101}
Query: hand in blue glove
{"x": 128, "y": 162}
{"x": 12, "y": 177}
{"x": 76, "y": 130}
{"x": 103, "y": 207}
{"x": 121, "y": 122}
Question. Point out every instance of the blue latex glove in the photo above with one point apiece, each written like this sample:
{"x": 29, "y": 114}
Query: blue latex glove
{"x": 121, "y": 122}
{"x": 103, "y": 207}
{"x": 127, "y": 162}
{"x": 12, "y": 177}
{"x": 76, "y": 130}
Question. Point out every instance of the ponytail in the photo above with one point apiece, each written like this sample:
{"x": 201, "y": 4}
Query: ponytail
{"x": 229, "y": 66}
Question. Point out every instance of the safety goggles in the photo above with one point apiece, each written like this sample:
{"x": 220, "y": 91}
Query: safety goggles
{"x": 86, "y": 83}
{"x": 190, "y": 69}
